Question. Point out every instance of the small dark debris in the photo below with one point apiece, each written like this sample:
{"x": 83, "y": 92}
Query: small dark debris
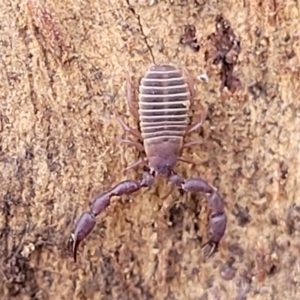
{"x": 210, "y": 282}
{"x": 204, "y": 296}
{"x": 47, "y": 275}
{"x": 226, "y": 48}
{"x": 272, "y": 270}
{"x": 189, "y": 37}
{"x": 236, "y": 250}
{"x": 238, "y": 172}
{"x": 242, "y": 214}
{"x": 257, "y": 31}
{"x": 176, "y": 218}
{"x": 290, "y": 54}
{"x": 200, "y": 2}
{"x": 29, "y": 154}
{"x": 293, "y": 219}
{"x": 19, "y": 273}
{"x": 98, "y": 74}
{"x": 284, "y": 170}
{"x": 227, "y": 271}
{"x": 264, "y": 264}
{"x": 273, "y": 219}
{"x": 243, "y": 284}
{"x": 215, "y": 292}
{"x": 172, "y": 265}
{"x": 257, "y": 89}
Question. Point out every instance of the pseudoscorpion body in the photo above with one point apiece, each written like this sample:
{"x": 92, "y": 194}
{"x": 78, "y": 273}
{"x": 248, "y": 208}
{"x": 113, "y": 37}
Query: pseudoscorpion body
{"x": 164, "y": 102}
{"x": 165, "y": 96}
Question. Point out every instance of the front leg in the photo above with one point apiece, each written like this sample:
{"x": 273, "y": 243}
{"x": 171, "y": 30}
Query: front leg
{"x": 87, "y": 222}
{"x": 217, "y": 218}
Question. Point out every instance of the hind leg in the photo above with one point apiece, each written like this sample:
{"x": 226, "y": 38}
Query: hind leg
{"x": 137, "y": 145}
{"x": 190, "y": 83}
{"x": 127, "y": 128}
{"x": 198, "y": 124}
{"x": 131, "y": 97}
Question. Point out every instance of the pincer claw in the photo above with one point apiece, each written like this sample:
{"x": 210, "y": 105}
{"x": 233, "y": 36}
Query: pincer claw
{"x": 83, "y": 227}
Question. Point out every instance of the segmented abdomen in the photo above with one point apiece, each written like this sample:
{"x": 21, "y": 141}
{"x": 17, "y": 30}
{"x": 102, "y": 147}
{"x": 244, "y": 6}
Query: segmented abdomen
{"x": 164, "y": 100}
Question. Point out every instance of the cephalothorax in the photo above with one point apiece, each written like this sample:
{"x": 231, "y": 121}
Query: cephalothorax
{"x": 165, "y": 95}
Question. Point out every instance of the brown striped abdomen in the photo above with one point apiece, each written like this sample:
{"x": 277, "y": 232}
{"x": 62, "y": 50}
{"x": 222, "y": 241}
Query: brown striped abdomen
{"x": 164, "y": 101}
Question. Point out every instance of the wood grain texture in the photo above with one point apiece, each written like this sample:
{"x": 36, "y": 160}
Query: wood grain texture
{"x": 58, "y": 150}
